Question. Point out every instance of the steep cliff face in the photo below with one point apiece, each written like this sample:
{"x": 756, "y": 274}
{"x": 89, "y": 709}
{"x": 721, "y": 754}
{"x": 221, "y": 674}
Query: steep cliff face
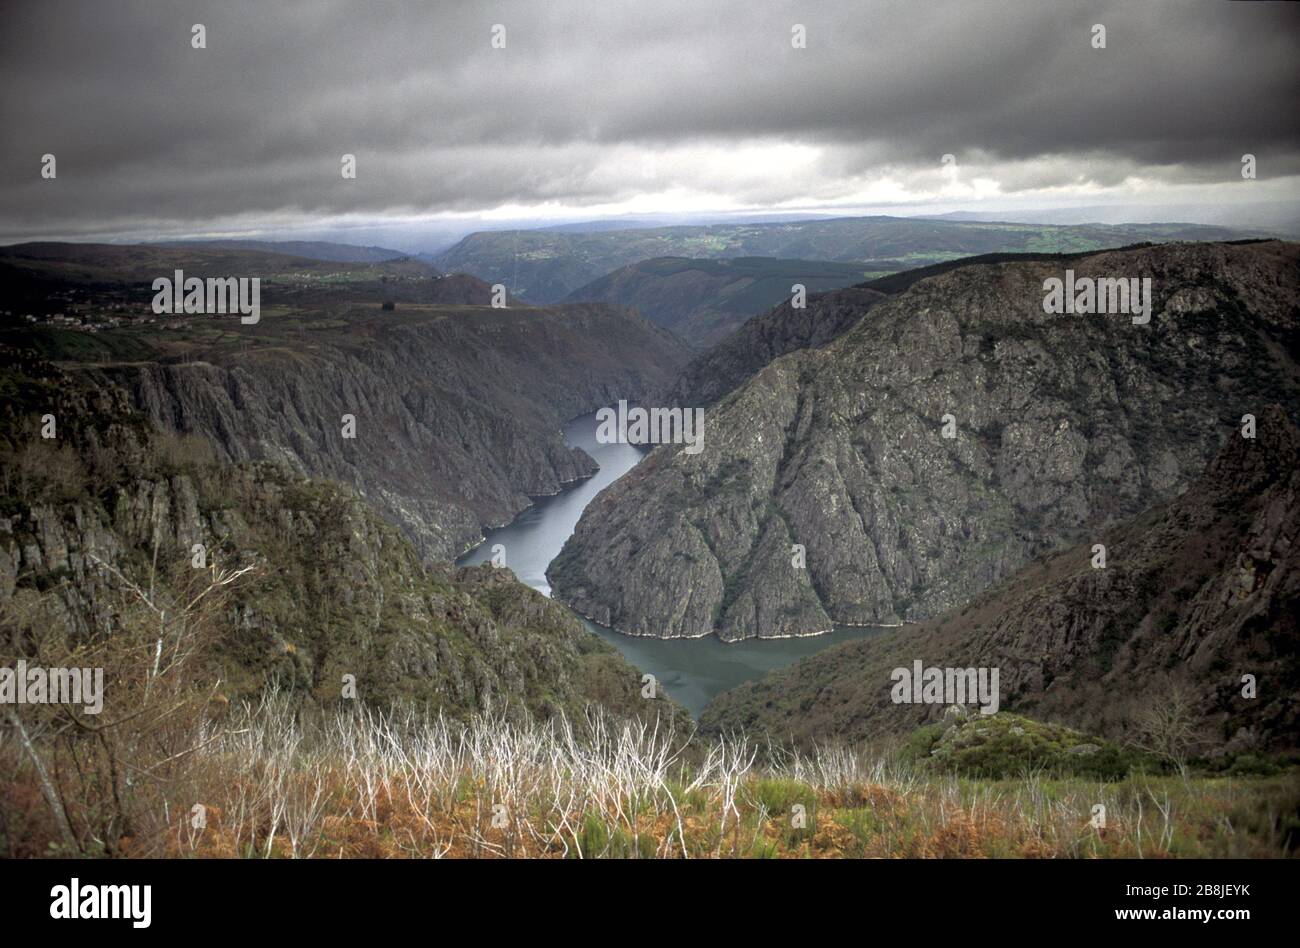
{"x": 1195, "y": 594}
{"x": 334, "y": 589}
{"x": 725, "y": 367}
{"x": 781, "y": 330}
{"x": 1062, "y": 425}
{"x": 455, "y": 412}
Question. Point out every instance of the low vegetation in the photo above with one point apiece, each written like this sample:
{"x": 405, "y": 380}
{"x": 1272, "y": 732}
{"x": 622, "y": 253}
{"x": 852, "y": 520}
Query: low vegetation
{"x": 264, "y": 781}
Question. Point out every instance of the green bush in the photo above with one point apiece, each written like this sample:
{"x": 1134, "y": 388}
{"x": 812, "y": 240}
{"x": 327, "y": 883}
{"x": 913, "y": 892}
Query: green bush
{"x": 1007, "y": 745}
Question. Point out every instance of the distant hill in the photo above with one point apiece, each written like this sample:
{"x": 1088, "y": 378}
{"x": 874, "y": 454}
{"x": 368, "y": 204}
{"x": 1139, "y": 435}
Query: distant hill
{"x": 1272, "y": 218}
{"x": 311, "y": 249}
{"x": 704, "y": 300}
{"x": 544, "y": 266}
{"x": 133, "y": 263}
{"x": 48, "y": 276}
{"x": 584, "y": 227}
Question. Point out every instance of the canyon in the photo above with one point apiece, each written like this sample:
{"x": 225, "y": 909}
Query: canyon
{"x": 1063, "y": 427}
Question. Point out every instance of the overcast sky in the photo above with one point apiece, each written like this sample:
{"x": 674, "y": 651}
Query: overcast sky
{"x": 617, "y": 107}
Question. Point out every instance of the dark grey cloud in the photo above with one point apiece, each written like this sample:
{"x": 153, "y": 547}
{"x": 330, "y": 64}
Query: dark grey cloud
{"x": 599, "y": 103}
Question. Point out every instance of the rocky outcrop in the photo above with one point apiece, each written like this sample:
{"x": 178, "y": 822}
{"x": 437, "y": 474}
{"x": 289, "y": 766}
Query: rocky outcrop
{"x": 455, "y": 411}
{"x": 1194, "y": 595}
{"x": 1061, "y": 426}
{"x": 334, "y": 589}
{"x": 716, "y": 373}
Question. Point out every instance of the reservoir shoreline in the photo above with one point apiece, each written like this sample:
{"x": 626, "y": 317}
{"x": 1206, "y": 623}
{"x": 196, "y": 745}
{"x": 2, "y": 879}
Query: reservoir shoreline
{"x": 692, "y": 670}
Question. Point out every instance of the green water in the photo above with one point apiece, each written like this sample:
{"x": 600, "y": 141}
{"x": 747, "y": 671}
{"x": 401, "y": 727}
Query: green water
{"x": 691, "y": 670}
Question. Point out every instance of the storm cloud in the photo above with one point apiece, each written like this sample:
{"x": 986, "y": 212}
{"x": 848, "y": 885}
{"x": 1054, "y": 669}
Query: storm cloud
{"x": 625, "y": 104}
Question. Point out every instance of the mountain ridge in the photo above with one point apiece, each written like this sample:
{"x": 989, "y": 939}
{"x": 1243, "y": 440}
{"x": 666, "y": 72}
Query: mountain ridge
{"x": 545, "y": 266}
{"x": 1061, "y": 425}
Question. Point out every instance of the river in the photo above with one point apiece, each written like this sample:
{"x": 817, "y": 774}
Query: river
{"x": 691, "y": 670}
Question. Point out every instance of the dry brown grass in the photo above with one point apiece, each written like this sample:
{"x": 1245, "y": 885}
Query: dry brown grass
{"x": 364, "y": 786}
